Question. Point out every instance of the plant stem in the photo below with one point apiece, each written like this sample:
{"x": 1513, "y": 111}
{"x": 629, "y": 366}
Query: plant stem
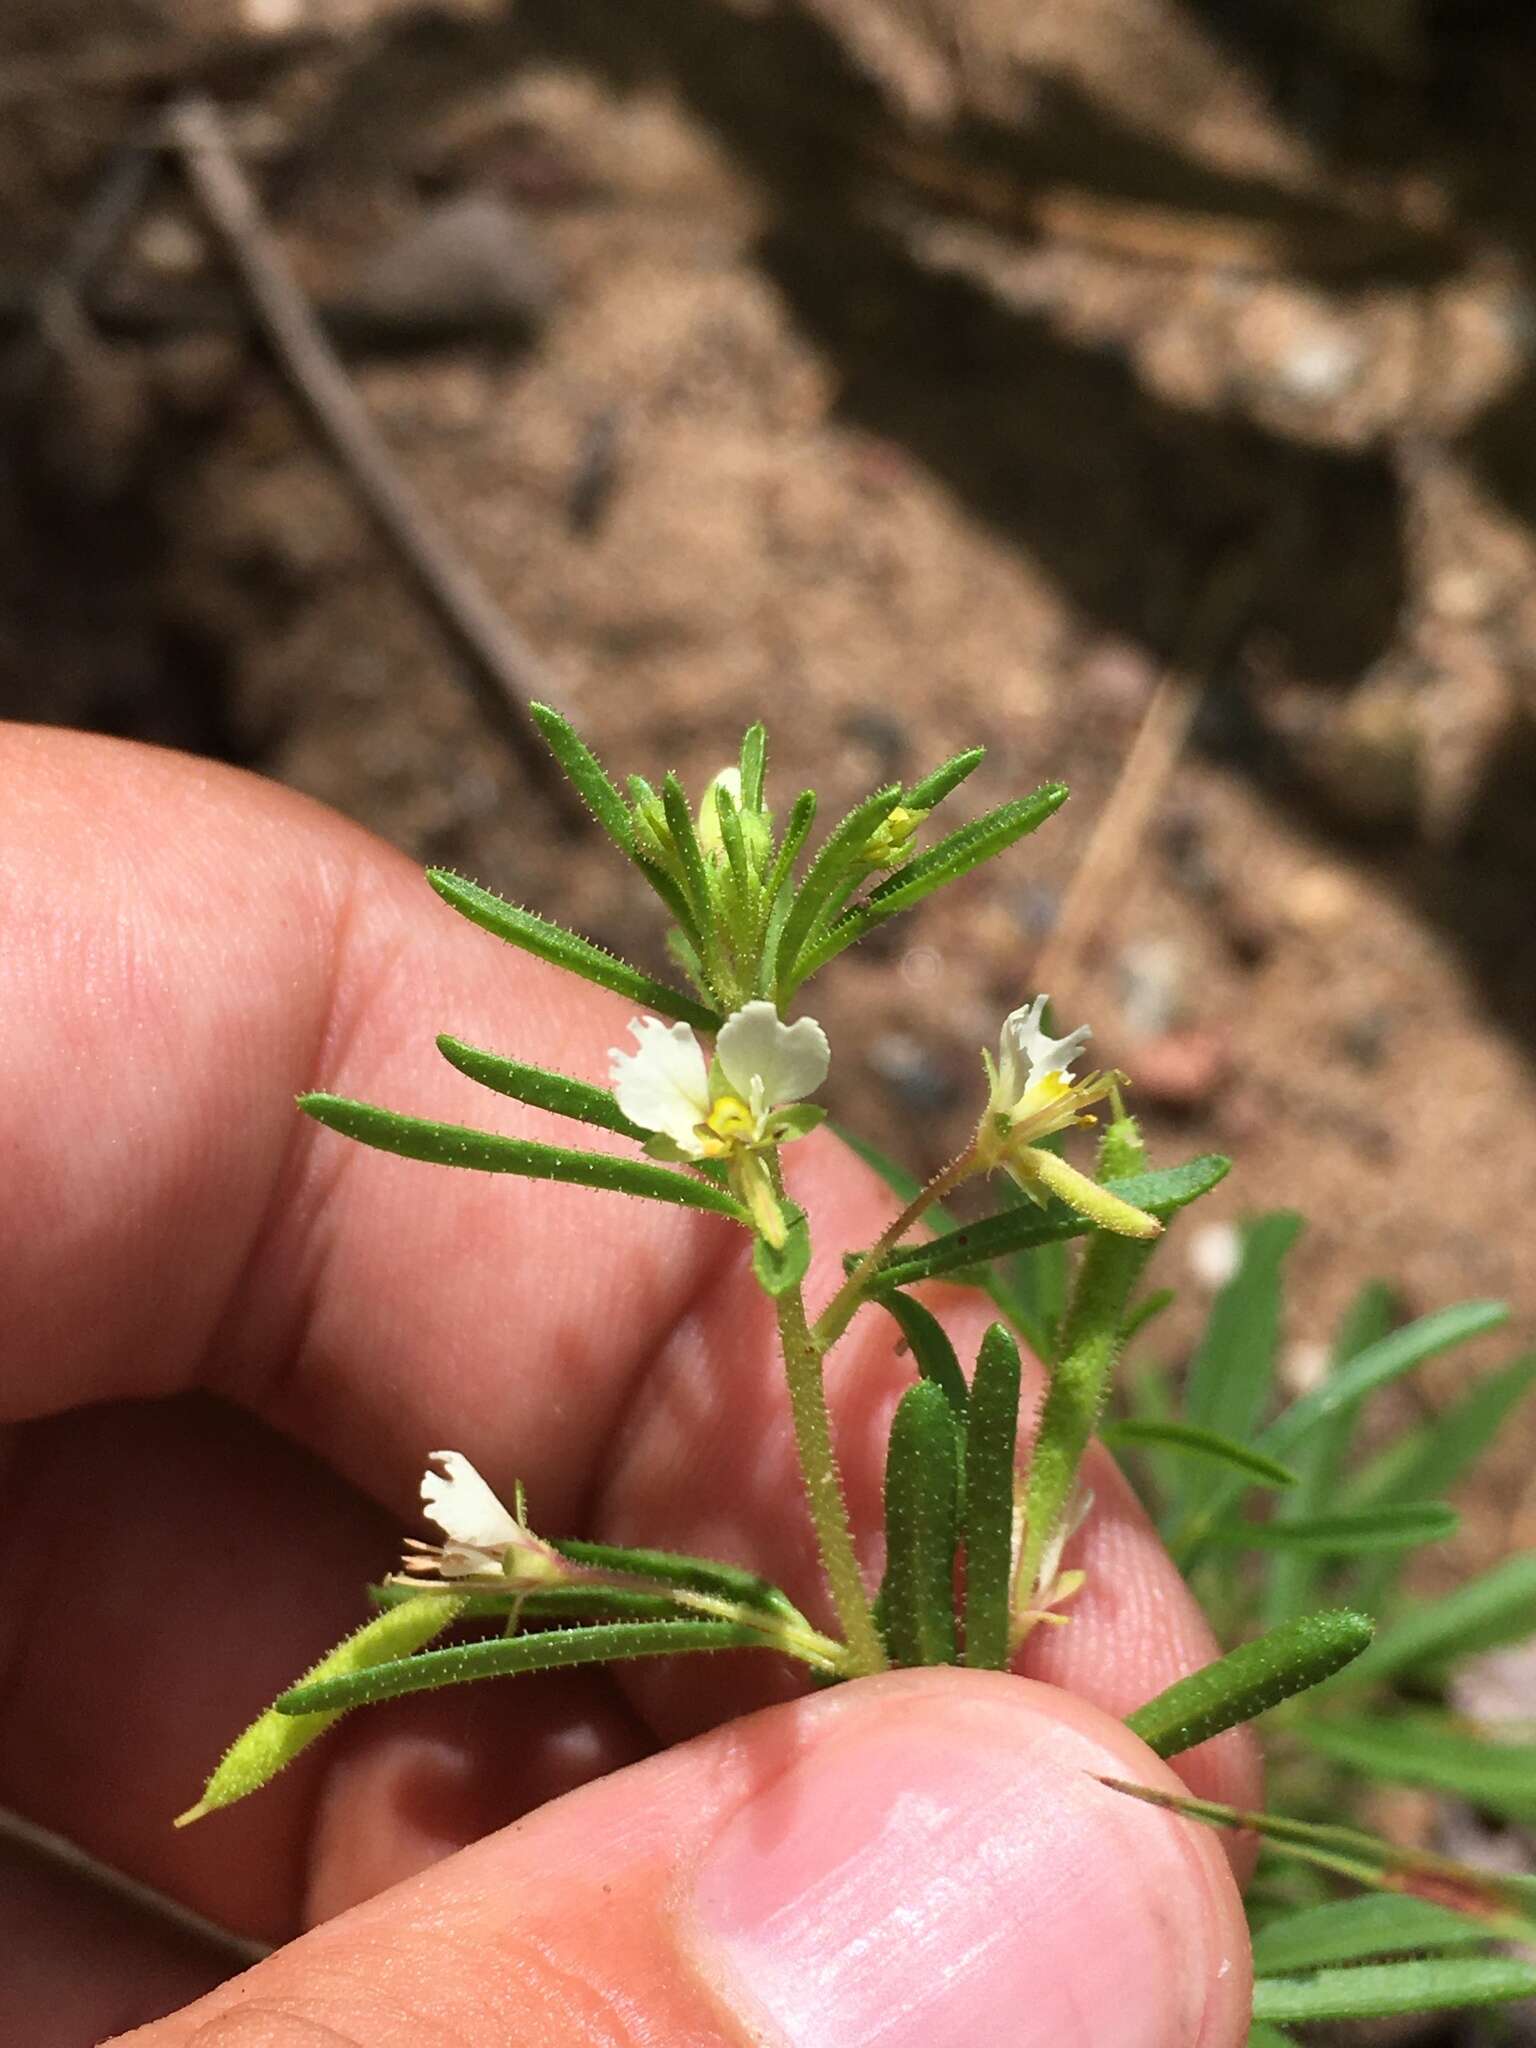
{"x": 841, "y": 1309}
{"x": 829, "y": 1510}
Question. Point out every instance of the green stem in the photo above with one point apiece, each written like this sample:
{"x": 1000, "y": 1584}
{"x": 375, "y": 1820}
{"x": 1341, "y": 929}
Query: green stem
{"x": 829, "y": 1510}
{"x": 841, "y": 1309}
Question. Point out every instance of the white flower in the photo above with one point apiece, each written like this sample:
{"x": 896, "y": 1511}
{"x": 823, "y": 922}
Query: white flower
{"x": 762, "y": 1065}
{"x": 485, "y": 1539}
{"x": 1033, "y": 1070}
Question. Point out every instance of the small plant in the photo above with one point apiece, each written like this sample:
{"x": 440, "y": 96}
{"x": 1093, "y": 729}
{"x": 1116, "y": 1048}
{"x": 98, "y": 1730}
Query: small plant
{"x": 716, "y": 1082}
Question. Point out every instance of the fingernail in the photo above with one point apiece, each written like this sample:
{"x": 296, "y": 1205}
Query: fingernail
{"x": 949, "y": 1881}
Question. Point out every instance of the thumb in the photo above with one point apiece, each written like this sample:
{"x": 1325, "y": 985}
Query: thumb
{"x": 924, "y": 1860}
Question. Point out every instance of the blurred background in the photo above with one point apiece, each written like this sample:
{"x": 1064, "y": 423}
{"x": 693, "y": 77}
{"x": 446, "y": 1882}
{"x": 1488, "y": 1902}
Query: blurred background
{"x": 1071, "y": 377}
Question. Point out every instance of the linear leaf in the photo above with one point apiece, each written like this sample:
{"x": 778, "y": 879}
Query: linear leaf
{"x": 922, "y": 1474}
{"x": 1499, "y": 1606}
{"x": 1402, "y": 1525}
{"x": 538, "y": 1086}
{"x": 1291, "y": 1584}
{"x": 941, "y": 781}
{"x": 991, "y": 1436}
{"x": 946, "y": 862}
{"x": 586, "y": 775}
{"x": 510, "y": 1656}
{"x": 1427, "y": 1461}
{"x": 674, "y": 803}
{"x": 1419, "y": 1749}
{"x": 1353, "y": 1930}
{"x": 1505, "y": 1907}
{"x": 1262, "y": 2036}
{"x": 274, "y": 1739}
{"x": 754, "y": 763}
{"x": 931, "y": 1349}
{"x": 1250, "y": 1680}
{"x": 567, "y": 949}
{"x": 1191, "y": 1442}
{"x": 1377, "y": 1990}
{"x": 1012, "y": 1230}
{"x": 834, "y": 859}
{"x": 412, "y": 1137}
{"x": 1229, "y": 1380}
{"x": 690, "y": 1574}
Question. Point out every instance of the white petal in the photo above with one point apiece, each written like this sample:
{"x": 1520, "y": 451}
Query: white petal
{"x": 665, "y": 1085}
{"x": 1025, "y": 1044}
{"x": 787, "y": 1061}
{"x": 464, "y": 1507}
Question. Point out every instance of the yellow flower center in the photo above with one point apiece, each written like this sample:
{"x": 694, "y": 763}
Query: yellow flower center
{"x": 731, "y": 1122}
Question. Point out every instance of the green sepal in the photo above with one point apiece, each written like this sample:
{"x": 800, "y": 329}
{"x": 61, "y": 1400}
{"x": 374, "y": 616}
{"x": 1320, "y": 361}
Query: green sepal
{"x": 931, "y": 1349}
{"x": 566, "y": 949}
{"x": 586, "y": 775}
{"x": 990, "y": 1451}
{"x": 539, "y": 1087}
{"x": 511, "y": 1656}
{"x": 275, "y": 1739}
{"x": 946, "y": 862}
{"x": 780, "y": 1267}
{"x": 410, "y": 1137}
{"x": 1159, "y": 1193}
{"x": 1250, "y": 1680}
{"x": 1399, "y": 1525}
{"x": 795, "y": 1120}
{"x": 1187, "y": 1439}
{"x": 922, "y": 1477}
{"x": 942, "y": 781}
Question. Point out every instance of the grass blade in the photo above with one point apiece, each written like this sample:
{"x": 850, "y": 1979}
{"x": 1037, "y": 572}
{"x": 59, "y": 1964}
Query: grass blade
{"x": 1404, "y": 1525}
{"x": 1230, "y": 1378}
{"x": 511, "y": 1656}
{"x": 990, "y": 1447}
{"x": 1423, "y": 1749}
{"x": 1378, "y": 1990}
{"x": 1356, "y": 1930}
{"x": 1189, "y": 1441}
{"x": 1499, "y": 1606}
{"x": 922, "y": 1473}
{"x": 538, "y": 1086}
{"x": 1250, "y": 1680}
{"x": 554, "y": 943}
{"x": 412, "y": 1137}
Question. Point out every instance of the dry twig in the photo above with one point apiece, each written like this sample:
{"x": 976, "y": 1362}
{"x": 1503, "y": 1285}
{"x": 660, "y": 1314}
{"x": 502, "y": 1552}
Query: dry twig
{"x": 503, "y": 669}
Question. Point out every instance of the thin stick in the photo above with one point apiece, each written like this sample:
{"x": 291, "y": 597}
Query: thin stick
{"x": 1098, "y": 880}
{"x": 502, "y": 668}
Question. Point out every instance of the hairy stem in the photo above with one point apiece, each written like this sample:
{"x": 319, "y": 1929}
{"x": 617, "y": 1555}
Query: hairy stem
{"x": 841, "y": 1309}
{"x": 823, "y": 1486}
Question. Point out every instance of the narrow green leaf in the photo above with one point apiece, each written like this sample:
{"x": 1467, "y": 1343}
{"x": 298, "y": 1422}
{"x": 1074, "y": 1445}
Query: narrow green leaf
{"x": 1402, "y": 1525}
{"x": 1229, "y": 1380}
{"x": 1505, "y": 1907}
{"x": 565, "y": 949}
{"x": 834, "y": 860}
{"x": 1291, "y": 1584}
{"x": 538, "y": 1086}
{"x": 1160, "y": 1193}
{"x": 1355, "y": 1930}
{"x": 679, "y": 816}
{"x": 931, "y": 1349}
{"x": 781, "y": 1267}
{"x": 1262, "y": 2036}
{"x": 274, "y": 1739}
{"x": 734, "y": 843}
{"x": 586, "y": 775}
{"x": 1250, "y": 1680}
{"x": 1379, "y": 1363}
{"x": 990, "y": 1457}
{"x": 510, "y": 1656}
{"x": 1423, "y": 1749}
{"x": 943, "y": 780}
{"x": 754, "y": 762}
{"x": 689, "y": 1574}
{"x": 1499, "y": 1606}
{"x": 945, "y": 862}
{"x": 921, "y": 1485}
{"x": 1184, "y": 1438}
{"x": 412, "y": 1137}
{"x": 1377, "y": 1990}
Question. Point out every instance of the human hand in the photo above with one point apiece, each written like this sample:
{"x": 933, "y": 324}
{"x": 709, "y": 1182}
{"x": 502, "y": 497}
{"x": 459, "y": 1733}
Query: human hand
{"x": 283, "y": 1327}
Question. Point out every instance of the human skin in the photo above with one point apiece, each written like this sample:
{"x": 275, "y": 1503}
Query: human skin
{"x": 231, "y": 1339}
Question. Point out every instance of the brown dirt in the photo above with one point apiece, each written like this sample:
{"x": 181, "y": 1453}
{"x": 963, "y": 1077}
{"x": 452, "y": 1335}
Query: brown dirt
{"x": 910, "y": 376}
